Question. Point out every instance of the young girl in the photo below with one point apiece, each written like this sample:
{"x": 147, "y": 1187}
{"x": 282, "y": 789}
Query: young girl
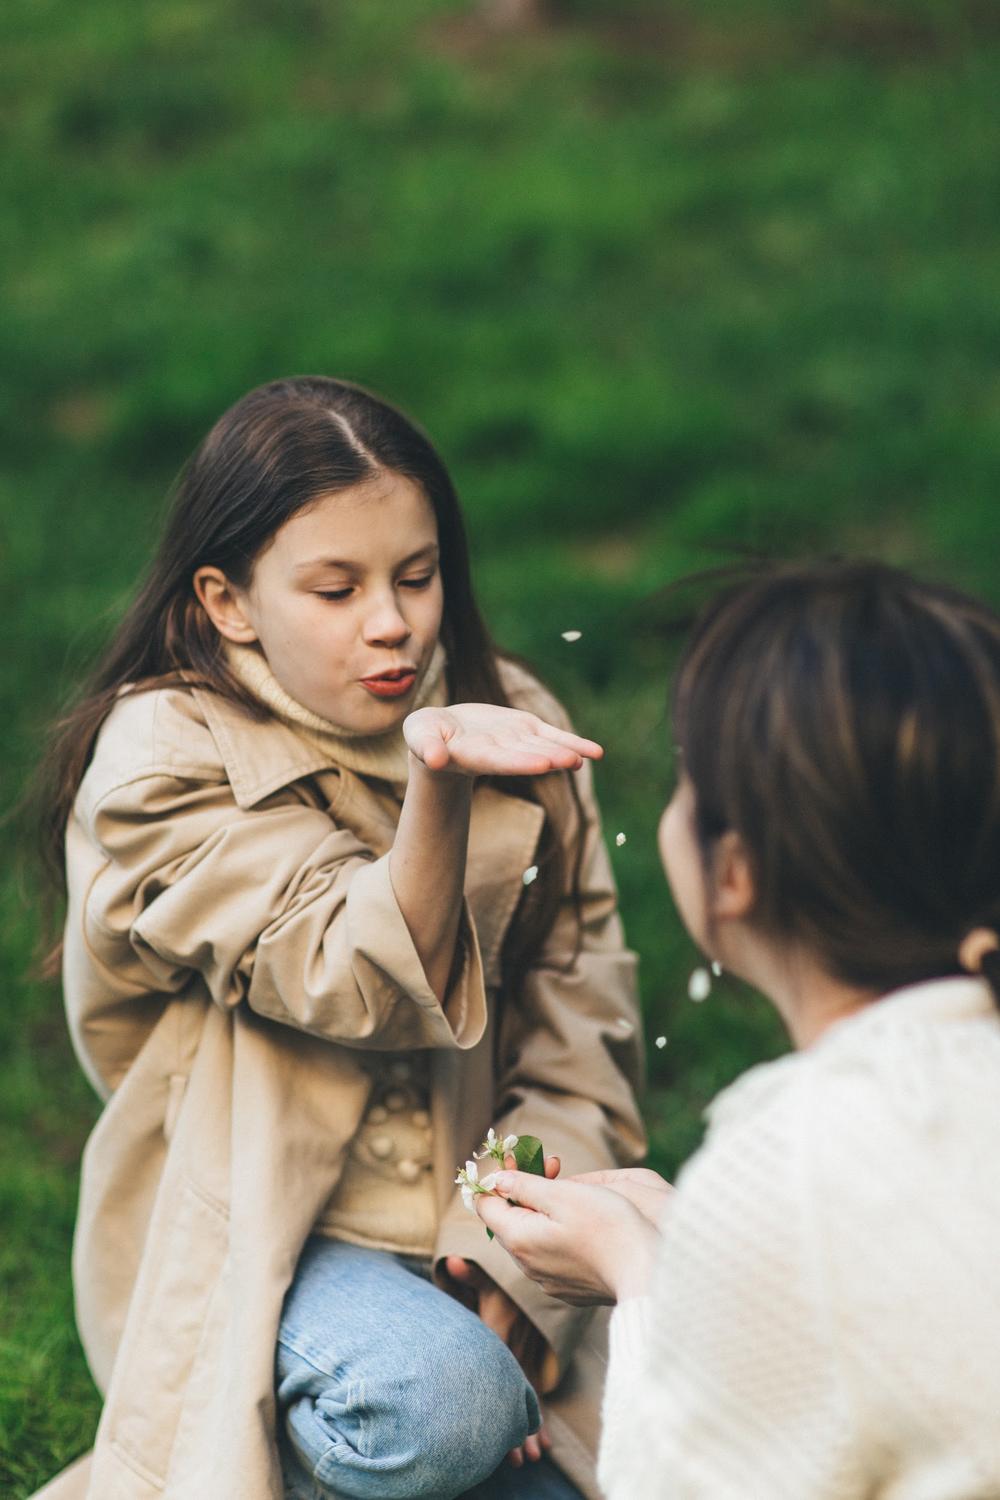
{"x": 815, "y": 1313}
{"x": 299, "y": 751}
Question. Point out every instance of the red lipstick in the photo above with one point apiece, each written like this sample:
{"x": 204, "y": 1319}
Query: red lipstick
{"x": 395, "y": 683}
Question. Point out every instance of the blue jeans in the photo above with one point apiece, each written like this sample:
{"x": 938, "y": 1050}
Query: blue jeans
{"x": 389, "y": 1389}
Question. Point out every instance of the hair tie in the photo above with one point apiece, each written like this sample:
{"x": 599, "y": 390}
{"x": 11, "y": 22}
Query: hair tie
{"x": 974, "y": 947}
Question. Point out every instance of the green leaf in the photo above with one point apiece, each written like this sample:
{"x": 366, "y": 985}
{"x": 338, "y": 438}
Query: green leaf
{"x": 529, "y": 1155}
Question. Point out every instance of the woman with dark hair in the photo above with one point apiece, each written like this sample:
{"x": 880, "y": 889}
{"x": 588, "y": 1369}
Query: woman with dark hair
{"x": 334, "y": 906}
{"x": 814, "y": 1314}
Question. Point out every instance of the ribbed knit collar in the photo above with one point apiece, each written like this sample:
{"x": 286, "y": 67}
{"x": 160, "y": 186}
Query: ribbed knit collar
{"x": 383, "y": 755}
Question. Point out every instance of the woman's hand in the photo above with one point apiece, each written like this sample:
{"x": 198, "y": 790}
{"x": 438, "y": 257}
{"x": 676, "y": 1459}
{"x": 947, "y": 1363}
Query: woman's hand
{"x": 581, "y": 1242}
{"x": 647, "y": 1190}
{"x": 499, "y": 1312}
{"x": 640, "y": 1185}
{"x": 483, "y": 739}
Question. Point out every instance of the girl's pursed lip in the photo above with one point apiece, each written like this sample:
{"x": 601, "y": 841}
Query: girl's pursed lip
{"x": 394, "y": 684}
{"x": 392, "y": 674}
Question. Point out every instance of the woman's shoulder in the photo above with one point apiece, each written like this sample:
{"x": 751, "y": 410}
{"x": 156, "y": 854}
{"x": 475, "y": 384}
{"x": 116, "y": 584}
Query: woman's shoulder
{"x": 765, "y": 1090}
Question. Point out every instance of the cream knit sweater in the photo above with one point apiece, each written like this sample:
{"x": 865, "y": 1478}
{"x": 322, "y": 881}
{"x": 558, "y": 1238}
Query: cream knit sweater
{"x": 824, "y": 1322}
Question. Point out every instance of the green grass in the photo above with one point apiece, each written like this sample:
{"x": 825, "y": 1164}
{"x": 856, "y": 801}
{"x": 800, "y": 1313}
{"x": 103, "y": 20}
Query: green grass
{"x": 661, "y": 286}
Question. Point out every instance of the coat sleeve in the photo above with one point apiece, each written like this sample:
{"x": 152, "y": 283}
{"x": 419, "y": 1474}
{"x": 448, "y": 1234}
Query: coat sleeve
{"x": 570, "y": 1066}
{"x": 276, "y": 906}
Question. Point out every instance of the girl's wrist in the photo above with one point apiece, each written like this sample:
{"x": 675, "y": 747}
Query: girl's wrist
{"x": 449, "y": 784}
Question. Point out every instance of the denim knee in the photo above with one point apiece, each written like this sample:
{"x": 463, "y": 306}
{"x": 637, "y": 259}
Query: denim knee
{"x": 433, "y": 1427}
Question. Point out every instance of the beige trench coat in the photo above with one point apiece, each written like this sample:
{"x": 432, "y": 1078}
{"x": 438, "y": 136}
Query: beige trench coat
{"x": 232, "y": 942}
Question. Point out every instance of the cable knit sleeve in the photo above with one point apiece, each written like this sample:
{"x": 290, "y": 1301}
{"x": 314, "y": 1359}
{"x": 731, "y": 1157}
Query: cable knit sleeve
{"x": 722, "y": 1384}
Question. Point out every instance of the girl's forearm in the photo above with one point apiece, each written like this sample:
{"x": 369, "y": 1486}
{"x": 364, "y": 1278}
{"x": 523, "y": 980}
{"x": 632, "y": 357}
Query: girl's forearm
{"x": 427, "y": 865}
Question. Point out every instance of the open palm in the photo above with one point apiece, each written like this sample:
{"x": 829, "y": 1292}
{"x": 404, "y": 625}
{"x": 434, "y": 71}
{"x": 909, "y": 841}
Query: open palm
{"x": 483, "y": 739}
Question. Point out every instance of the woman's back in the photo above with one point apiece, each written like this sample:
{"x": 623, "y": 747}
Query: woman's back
{"x": 825, "y": 1316}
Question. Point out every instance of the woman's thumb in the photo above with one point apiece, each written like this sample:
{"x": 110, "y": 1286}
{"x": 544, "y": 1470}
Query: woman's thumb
{"x": 523, "y": 1189}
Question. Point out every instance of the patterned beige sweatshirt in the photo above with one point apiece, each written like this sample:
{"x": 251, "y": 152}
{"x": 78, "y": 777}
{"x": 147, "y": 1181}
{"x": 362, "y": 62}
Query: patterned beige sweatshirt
{"x": 824, "y": 1322}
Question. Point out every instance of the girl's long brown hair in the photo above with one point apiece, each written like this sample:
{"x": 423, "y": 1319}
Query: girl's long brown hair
{"x": 844, "y": 719}
{"x": 270, "y": 455}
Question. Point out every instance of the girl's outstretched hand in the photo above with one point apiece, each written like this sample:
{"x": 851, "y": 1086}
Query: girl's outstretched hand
{"x": 581, "y": 1242}
{"x": 483, "y": 739}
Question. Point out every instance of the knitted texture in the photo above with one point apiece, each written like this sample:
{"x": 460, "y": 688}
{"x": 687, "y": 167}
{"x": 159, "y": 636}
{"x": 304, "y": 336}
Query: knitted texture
{"x": 824, "y": 1321}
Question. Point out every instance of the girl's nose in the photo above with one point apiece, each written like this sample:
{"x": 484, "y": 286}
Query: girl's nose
{"x": 385, "y": 625}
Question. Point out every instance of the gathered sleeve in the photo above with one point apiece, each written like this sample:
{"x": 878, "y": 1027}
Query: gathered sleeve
{"x": 277, "y": 906}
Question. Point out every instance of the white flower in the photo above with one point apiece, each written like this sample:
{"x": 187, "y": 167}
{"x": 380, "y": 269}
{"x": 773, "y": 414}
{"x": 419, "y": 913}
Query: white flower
{"x": 469, "y": 1181}
{"x": 530, "y": 874}
{"x": 661, "y": 1042}
{"x": 571, "y": 635}
{"x": 495, "y": 1147}
{"x": 620, "y": 839}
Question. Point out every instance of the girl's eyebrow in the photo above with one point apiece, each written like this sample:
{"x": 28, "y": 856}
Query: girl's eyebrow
{"x": 429, "y": 553}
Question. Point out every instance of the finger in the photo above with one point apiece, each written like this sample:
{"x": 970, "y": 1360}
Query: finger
{"x": 464, "y": 1271}
{"x": 516, "y": 1458}
{"x": 564, "y": 755}
{"x": 590, "y": 748}
{"x": 502, "y": 1217}
{"x": 499, "y": 1314}
{"x": 532, "y": 1448}
{"x": 552, "y": 1166}
{"x": 544, "y": 1438}
{"x": 500, "y": 760}
{"x": 525, "y": 1190}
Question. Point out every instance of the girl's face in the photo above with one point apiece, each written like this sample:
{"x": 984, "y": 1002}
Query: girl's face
{"x": 346, "y": 603}
{"x": 682, "y": 861}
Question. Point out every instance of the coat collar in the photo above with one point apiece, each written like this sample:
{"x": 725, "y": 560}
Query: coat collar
{"x": 264, "y": 761}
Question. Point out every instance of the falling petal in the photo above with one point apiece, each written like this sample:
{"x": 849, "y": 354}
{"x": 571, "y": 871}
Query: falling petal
{"x": 699, "y": 985}
{"x": 620, "y": 839}
{"x": 571, "y": 635}
{"x": 661, "y": 1042}
{"x": 530, "y": 874}
{"x": 716, "y": 967}
{"x": 624, "y": 1024}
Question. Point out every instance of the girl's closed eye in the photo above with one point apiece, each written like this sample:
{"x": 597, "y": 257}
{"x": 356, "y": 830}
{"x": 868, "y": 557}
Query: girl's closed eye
{"x": 421, "y": 582}
{"x": 335, "y": 594}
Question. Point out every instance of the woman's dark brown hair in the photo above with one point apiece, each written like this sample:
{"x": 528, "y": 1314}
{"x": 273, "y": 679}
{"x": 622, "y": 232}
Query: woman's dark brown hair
{"x": 270, "y": 455}
{"x": 844, "y": 719}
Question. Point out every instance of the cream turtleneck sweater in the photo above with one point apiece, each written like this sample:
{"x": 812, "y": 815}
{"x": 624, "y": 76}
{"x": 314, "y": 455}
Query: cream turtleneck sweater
{"x": 381, "y": 755}
{"x": 385, "y": 1198}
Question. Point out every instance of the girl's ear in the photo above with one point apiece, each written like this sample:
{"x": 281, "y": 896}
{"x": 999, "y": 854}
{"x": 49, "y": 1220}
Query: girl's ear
{"x": 733, "y": 891}
{"x": 224, "y": 605}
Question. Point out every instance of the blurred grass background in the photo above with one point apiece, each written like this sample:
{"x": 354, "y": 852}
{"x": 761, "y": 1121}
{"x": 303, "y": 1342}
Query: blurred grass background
{"x": 664, "y": 281}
